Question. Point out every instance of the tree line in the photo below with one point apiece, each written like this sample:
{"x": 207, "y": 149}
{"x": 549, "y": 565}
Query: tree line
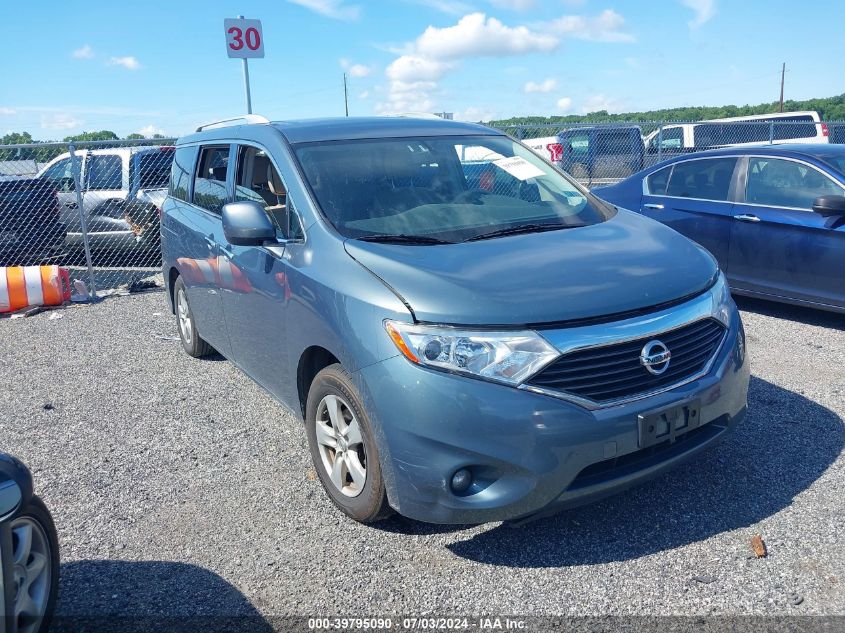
{"x": 48, "y": 152}
{"x": 829, "y": 109}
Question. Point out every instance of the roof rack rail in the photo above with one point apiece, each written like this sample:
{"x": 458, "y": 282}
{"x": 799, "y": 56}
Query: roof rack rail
{"x": 238, "y": 120}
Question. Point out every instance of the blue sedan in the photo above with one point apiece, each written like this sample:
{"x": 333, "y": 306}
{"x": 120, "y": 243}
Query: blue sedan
{"x": 773, "y": 216}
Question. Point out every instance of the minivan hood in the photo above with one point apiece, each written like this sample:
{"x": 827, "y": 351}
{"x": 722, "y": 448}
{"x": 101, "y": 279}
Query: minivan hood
{"x": 624, "y": 264}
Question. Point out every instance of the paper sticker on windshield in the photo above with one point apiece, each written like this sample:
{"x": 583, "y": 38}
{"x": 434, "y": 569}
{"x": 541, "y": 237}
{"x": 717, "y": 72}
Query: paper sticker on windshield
{"x": 519, "y": 168}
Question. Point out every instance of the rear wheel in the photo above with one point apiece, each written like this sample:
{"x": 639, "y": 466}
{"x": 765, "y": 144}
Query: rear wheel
{"x": 35, "y": 568}
{"x": 343, "y": 448}
{"x": 192, "y": 343}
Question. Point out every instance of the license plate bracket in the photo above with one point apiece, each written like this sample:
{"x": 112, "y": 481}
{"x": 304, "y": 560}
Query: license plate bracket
{"x": 668, "y": 423}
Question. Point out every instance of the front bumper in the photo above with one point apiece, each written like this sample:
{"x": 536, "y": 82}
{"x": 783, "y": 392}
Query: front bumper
{"x": 529, "y": 453}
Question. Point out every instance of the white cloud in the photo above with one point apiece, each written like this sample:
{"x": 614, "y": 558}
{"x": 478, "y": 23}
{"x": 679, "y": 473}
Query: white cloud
{"x": 545, "y": 86}
{"x": 363, "y": 94}
{"x": 514, "y": 5}
{"x": 84, "y": 52}
{"x": 476, "y": 35}
{"x": 607, "y": 26}
{"x": 150, "y": 130}
{"x": 128, "y": 62}
{"x": 60, "y": 122}
{"x": 564, "y": 104}
{"x": 331, "y": 8}
{"x": 703, "y": 9}
{"x": 7, "y": 112}
{"x": 596, "y": 103}
{"x": 411, "y": 68}
{"x": 355, "y": 70}
{"x": 475, "y": 114}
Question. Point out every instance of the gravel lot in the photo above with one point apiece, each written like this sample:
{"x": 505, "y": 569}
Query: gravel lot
{"x": 179, "y": 487}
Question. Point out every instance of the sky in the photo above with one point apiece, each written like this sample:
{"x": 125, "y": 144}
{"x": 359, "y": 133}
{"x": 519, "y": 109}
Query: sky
{"x": 161, "y": 67}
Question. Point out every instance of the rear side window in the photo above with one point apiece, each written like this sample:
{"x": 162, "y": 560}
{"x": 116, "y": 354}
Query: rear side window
{"x": 656, "y": 183}
{"x": 703, "y": 179}
{"x": 613, "y": 142}
{"x": 180, "y": 173}
{"x": 154, "y": 168}
{"x": 210, "y": 183}
{"x": 104, "y": 172}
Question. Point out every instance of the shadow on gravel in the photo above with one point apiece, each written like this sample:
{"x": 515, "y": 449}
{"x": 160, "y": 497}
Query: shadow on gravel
{"x": 785, "y": 444}
{"x": 808, "y": 316}
{"x": 105, "y": 595}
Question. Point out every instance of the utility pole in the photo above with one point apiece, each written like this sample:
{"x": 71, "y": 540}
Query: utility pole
{"x": 346, "y": 96}
{"x": 782, "y": 75}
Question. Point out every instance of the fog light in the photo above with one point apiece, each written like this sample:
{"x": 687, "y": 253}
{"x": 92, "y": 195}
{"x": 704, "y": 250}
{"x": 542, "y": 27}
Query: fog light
{"x": 461, "y": 480}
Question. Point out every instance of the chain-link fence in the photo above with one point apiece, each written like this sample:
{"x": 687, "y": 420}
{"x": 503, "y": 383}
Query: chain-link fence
{"x": 604, "y": 153}
{"x": 90, "y": 207}
{"x": 93, "y": 207}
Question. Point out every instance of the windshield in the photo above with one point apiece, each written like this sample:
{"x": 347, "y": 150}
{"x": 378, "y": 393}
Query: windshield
{"x": 445, "y": 188}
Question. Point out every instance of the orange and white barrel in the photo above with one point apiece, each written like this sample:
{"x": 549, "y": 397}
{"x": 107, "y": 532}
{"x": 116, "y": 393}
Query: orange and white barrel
{"x": 23, "y": 286}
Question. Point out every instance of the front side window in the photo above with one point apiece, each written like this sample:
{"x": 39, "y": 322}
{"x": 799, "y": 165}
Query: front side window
{"x": 444, "y": 188}
{"x": 786, "y": 183}
{"x": 210, "y": 183}
{"x": 259, "y": 181}
{"x": 104, "y": 172}
{"x": 670, "y": 138}
{"x": 708, "y": 179}
{"x": 154, "y": 168}
{"x": 61, "y": 175}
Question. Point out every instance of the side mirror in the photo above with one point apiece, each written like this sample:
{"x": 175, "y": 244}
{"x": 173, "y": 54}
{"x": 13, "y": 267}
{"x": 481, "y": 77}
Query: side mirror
{"x": 829, "y": 206}
{"x": 66, "y": 184}
{"x": 245, "y": 223}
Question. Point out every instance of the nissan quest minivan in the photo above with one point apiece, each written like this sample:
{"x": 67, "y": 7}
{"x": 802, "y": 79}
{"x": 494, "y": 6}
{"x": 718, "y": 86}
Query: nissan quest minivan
{"x": 468, "y": 334}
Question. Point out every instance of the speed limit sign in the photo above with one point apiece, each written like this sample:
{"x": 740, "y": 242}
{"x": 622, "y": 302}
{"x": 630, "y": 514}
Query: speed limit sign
{"x": 244, "y": 38}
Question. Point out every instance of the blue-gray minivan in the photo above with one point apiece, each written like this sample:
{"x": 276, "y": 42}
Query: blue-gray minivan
{"x": 468, "y": 334}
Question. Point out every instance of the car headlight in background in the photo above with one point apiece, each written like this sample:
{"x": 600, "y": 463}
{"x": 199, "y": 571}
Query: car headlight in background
{"x": 506, "y": 357}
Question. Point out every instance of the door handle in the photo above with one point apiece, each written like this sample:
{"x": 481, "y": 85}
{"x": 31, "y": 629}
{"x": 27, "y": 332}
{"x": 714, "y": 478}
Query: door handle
{"x": 746, "y": 218}
{"x": 652, "y": 205}
{"x": 72, "y": 205}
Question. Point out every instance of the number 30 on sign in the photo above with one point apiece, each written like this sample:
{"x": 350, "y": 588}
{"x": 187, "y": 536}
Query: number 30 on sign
{"x": 244, "y": 38}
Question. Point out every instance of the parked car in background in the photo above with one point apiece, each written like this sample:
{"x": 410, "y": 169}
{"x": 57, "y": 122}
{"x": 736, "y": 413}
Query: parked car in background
{"x": 595, "y": 153}
{"x": 778, "y": 127}
{"x": 468, "y": 334}
{"x": 30, "y": 229}
{"x": 772, "y": 215}
{"x": 122, "y": 192}
{"x": 29, "y": 553}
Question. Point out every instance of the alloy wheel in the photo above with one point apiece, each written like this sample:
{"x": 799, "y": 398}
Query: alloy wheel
{"x": 184, "y": 314}
{"x": 31, "y": 573}
{"x": 341, "y": 445}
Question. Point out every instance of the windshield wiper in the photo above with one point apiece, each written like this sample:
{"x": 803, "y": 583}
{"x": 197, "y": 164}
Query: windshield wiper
{"x": 522, "y": 228}
{"x": 401, "y": 238}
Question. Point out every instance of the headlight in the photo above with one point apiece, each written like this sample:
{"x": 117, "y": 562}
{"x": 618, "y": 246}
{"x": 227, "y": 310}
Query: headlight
{"x": 507, "y": 357}
{"x": 723, "y": 304}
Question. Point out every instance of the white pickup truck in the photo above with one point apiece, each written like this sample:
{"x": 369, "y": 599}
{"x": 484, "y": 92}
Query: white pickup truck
{"x": 123, "y": 189}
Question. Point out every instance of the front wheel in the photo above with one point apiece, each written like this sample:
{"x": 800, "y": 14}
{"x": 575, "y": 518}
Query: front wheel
{"x": 35, "y": 568}
{"x": 343, "y": 448}
{"x": 192, "y": 343}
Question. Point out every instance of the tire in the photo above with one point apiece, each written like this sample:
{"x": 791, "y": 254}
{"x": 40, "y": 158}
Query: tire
{"x": 365, "y": 502}
{"x": 192, "y": 343}
{"x": 35, "y": 593}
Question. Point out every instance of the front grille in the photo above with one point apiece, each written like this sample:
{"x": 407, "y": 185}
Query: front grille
{"x": 614, "y": 372}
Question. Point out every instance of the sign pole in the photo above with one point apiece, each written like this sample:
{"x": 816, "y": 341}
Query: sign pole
{"x": 244, "y": 39}
{"x": 246, "y": 81}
